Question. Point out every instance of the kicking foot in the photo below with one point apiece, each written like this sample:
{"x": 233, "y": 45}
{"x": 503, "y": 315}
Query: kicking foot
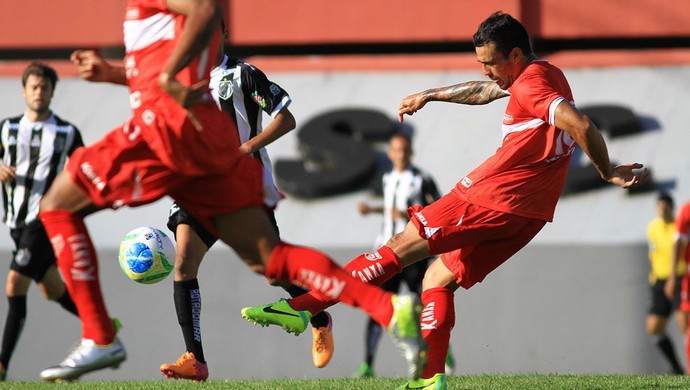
{"x": 279, "y": 313}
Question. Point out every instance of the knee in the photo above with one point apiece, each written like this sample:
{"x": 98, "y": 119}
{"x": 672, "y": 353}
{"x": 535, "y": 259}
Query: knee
{"x": 51, "y": 292}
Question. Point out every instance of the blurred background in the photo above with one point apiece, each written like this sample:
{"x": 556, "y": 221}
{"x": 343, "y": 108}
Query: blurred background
{"x": 573, "y": 301}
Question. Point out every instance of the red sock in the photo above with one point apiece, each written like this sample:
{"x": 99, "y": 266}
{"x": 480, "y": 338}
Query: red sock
{"x": 76, "y": 259}
{"x": 314, "y": 271}
{"x": 374, "y": 268}
{"x": 437, "y": 320}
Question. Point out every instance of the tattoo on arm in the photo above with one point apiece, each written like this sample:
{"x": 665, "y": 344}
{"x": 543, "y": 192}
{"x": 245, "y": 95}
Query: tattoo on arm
{"x": 471, "y": 92}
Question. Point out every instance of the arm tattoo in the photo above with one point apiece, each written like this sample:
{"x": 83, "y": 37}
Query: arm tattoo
{"x": 471, "y": 92}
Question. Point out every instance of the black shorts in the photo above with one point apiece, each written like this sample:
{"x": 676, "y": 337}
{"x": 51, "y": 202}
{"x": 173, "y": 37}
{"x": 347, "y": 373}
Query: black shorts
{"x": 411, "y": 275}
{"x": 34, "y": 254}
{"x": 179, "y": 216}
{"x": 661, "y": 305}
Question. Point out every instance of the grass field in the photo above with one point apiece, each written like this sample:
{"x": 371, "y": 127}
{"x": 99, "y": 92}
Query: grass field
{"x": 479, "y": 382}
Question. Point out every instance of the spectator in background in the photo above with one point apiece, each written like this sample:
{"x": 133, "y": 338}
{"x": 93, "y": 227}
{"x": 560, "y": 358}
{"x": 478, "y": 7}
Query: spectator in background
{"x": 680, "y": 255}
{"x": 660, "y": 238}
{"x": 33, "y": 147}
{"x": 403, "y": 186}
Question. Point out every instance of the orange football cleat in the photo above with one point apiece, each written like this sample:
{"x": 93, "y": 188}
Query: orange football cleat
{"x": 322, "y": 344}
{"x": 186, "y": 367}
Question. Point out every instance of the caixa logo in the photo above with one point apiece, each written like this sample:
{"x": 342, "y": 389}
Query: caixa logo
{"x": 338, "y": 155}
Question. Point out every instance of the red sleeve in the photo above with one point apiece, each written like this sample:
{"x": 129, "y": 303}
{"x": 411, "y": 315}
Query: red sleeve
{"x": 536, "y": 91}
{"x": 683, "y": 220}
{"x": 150, "y": 4}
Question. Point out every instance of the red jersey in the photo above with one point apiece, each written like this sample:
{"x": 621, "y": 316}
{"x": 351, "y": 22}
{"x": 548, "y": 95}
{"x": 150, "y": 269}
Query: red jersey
{"x": 683, "y": 226}
{"x": 151, "y": 33}
{"x": 527, "y": 174}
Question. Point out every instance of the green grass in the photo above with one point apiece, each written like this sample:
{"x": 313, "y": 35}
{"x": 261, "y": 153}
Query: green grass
{"x": 478, "y": 382}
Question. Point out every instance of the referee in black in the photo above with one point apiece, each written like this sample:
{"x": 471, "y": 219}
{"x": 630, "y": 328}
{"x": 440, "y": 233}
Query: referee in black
{"x": 34, "y": 147}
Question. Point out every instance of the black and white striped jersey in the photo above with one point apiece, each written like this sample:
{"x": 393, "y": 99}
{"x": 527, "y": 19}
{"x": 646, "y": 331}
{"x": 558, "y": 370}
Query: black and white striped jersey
{"x": 38, "y": 151}
{"x": 244, "y": 92}
{"x": 400, "y": 191}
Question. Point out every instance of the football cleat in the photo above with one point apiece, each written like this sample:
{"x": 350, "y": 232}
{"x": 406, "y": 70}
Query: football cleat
{"x": 450, "y": 362}
{"x": 322, "y": 346}
{"x": 87, "y": 356}
{"x": 3, "y": 372}
{"x": 364, "y": 371}
{"x": 436, "y": 382}
{"x": 405, "y": 332}
{"x": 186, "y": 367}
{"x": 279, "y": 313}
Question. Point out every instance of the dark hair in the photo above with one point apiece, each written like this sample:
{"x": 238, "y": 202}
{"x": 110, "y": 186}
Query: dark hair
{"x": 505, "y": 32}
{"x": 666, "y": 198}
{"x": 41, "y": 70}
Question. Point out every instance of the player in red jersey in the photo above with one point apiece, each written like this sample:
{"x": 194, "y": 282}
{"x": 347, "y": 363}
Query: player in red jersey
{"x": 496, "y": 209}
{"x": 681, "y": 253}
{"x": 177, "y": 143}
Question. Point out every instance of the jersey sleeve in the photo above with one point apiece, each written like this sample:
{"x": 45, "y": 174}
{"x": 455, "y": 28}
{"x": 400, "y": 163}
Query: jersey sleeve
{"x": 77, "y": 142}
{"x": 683, "y": 223}
{"x": 430, "y": 191}
{"x": 268, "y": 95}
{"x": 3, "y": 131}
{"x": 153, "y": 4}
{"x": 538, "y": 95}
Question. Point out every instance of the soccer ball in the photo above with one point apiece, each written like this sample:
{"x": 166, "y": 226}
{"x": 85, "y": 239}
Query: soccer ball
{"x": 146, "y": 255}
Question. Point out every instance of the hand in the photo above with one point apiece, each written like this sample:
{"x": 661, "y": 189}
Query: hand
{"x": 185, "y": 96}
{"x": 624, "y": 177}
{"x": 90, "y": 65}
{"x": 363, "y": 208}
{"x": 7, "y": 173}
{"x": 411, "y": 104}
{"x": 245, "y": 149}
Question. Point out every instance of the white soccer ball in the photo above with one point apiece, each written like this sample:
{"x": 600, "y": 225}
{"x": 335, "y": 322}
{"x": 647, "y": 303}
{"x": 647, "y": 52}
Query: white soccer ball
{"x": 146, "y": 255}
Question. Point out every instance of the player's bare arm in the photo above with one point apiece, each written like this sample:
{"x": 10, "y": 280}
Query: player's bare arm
{"x": 7, "y": 173}
{"x": 589, "y": 138}
{"x": 471, "y": 92}
{"x": 282, "y": 124}
{"x": 92, "y": 67}
{"x": 678, "y": 256}
{"x": 203, "y": 18}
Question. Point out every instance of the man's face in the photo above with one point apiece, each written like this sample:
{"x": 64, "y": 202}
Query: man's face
{"x": 38, "y": 92}
{"x": 664, "y": 210}
{"x": 501, "y": 70}
{"x": 400, "y": 153}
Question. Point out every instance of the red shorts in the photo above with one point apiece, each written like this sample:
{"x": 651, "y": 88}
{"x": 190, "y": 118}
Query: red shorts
{"x": 472, "y": 240}
{"x": 124, "y": 169}
{"x": 684, "y": 304}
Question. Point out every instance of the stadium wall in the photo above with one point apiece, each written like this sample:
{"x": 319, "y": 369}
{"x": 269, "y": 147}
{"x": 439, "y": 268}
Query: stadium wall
{"x": 93, "y": 23}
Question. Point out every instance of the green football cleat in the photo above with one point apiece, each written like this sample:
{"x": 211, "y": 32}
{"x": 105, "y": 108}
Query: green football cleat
{"x": 405, "y": 332}
{"x": 279, "y": 313}
{"x": 436, "y": 382}
{"x": 364, "y": 371}
{"x": 450, "y": 362}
